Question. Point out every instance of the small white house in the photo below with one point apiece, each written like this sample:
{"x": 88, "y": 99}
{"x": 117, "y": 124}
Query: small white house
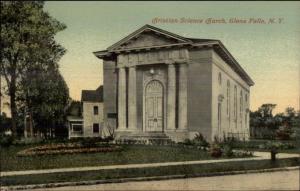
{"x": 90, "y": 122}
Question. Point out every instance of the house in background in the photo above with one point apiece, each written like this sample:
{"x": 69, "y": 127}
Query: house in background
{"x": 86, "y": 118}
{"x": 160, "y": 84}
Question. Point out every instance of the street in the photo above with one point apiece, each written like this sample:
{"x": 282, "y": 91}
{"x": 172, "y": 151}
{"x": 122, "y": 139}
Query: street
{"x": 281, "y": 180}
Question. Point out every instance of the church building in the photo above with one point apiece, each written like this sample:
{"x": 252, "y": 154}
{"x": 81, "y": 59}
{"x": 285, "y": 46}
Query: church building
{"x": 160, "y": 84}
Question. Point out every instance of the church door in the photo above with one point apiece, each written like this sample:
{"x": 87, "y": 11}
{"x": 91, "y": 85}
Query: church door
{"x": 154, "y": 106}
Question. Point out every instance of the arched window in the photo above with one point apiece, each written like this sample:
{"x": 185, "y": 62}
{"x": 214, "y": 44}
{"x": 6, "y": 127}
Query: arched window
{"x": 220, "y": 78}
{"x": 219, "y": 117}
{"x": 241, "y": 105}
{"x": 228, "y": 98}
{"x": 235, "y": 105}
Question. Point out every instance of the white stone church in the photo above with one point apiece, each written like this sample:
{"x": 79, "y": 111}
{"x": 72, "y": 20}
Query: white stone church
{"x": 160, "y": 84}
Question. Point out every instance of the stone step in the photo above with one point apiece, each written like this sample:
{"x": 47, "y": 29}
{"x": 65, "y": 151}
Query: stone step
{"x": 147, "y": 137}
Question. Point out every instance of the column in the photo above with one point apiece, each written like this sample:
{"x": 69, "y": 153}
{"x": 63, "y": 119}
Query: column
{"x": 182, "y": 97}
{"x": 122, "y": 99}
{"x": 171, "y": 97}
{"x": 132, "y": 98}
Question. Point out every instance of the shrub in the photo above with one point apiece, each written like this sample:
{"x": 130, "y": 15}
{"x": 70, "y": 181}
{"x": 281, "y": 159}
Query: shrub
{"x": 215, "y": 151}
{"x": 200, "y": 140}
{"x": 29, "y": 141}
{"x": 227, "y": 150}
{"x": 6, "y": 140}
{"x": 188, "y": 142}
{"x": 278, "y": 145}
{"x": 283, "y": 134}
{"x": 231, "y": 141}
{"x": 243, "y": 153}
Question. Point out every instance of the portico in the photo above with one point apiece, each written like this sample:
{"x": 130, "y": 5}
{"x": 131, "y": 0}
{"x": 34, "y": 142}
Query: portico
{"x": 155, "y": 74}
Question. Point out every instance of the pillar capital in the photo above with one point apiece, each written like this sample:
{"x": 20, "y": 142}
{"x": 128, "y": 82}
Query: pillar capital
{"x": 132, "y": 66}
{"x": 170, "y": 62}
{"x": 120, "y": 65}
{"x": 183, "y": 62}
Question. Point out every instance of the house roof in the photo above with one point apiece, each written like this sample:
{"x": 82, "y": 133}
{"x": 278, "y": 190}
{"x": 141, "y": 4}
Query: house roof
{"x": 217, "y": 45}
{"x": 92, "y": 95}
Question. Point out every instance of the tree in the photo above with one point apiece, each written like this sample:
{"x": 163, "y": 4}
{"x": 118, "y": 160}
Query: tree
{"x": 74, "y": 108}
{"x": 267, "y": 109}
{"x": 44, "y": 96}
{"x": 27, "y": 40}
{"x": 262, "y": 122}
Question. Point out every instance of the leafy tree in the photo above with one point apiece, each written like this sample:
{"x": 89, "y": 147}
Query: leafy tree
{"x": 74, "y": 108}
{"x": 44, "y": 96}
{"x": 4, "y": 123}
{"x": 267, "y": 125}
{"x": 297, "y": 120}
{"x": 262, "y": 121}
{"x": 27, "y": 40}
{"x": 267, "y": 109}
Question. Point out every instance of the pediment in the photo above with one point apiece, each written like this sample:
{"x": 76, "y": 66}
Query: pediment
{"x": 148, "y": 37}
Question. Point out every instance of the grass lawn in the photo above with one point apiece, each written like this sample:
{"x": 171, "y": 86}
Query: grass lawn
{"x": 130, "y": 154}
{"x": 187, "y": 170}
{"x": 254, "y": 145}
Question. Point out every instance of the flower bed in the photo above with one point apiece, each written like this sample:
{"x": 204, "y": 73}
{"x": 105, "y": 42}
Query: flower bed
{"x": 70, "y": 148}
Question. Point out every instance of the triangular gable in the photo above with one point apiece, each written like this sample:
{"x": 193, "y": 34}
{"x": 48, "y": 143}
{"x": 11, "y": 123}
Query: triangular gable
{"x": 148, "y": 36}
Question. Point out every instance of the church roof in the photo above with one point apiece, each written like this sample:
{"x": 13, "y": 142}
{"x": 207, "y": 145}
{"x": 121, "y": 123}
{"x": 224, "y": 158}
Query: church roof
{"x": 92, "y": 95}
{"x": 178, "y": 40}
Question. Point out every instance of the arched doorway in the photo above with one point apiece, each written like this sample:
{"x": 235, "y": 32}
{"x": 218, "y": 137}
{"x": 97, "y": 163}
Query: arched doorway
{"x": 153, "y": 106}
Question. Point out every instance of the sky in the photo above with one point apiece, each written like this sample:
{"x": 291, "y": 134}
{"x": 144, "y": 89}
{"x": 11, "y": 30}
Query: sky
{"x": 269, "y": 53}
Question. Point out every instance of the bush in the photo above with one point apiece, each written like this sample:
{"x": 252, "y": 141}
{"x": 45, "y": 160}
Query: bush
{"x": 188, "y": 142}
{"x": 243, "y": 153}
{"x": 277, "y": 145}
{"x": 231, "y": 141}
{"x": 5, "y": 123}
{"x": 29, "y": 141}
{"x": 6, "y": 140}
{"x": 227, "y": 150}
{"x": 283, "y": 134}
{"x": 216, "y": 151}
{"x": 199, "y": 140}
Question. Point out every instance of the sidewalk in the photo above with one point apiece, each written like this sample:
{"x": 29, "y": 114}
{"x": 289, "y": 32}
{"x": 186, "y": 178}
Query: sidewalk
{"x": 258, "y": 156}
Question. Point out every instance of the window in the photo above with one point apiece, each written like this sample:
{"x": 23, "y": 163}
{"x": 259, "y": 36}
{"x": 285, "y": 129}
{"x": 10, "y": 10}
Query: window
{"x": 241, "y": 105}
{"x": 241, "y": 102}
{"x": 246, "y": 118}
{"x": 77, "y": 127}
{"x": 228, "y": 98}
{"x": 246, "y": 97}
{"x": 235, "y": 105}
{"x": 96, "y": 128}
{"x": 220, "y": 78}
{"x": 96, "y": 110}
{"x": 219, "y": 117}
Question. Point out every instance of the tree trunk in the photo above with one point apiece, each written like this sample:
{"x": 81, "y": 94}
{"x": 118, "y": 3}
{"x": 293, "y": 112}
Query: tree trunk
{"x": 52, "y": 129}
{"x": 30, "y": 124}
{"x": 13, "y": 109}
{"x": 12, "y": 94}
{"x": 25, "y": 126}
{"x": 273, "y": 155}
